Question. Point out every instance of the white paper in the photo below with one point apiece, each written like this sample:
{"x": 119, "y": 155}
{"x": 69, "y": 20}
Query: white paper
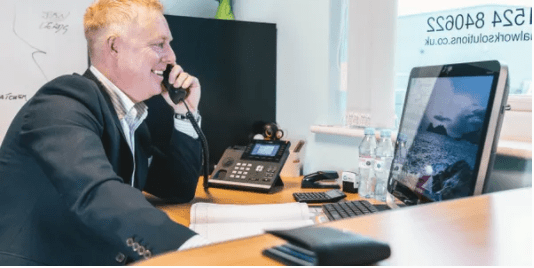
{"x": 219, "y": 232}
{"x": 210, "y": 213}
{"x": 219, "y": 223}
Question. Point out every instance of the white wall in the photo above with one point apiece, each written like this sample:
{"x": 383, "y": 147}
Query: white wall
{"x": 371, "y": 56}
{"x": 307, "y": 81}
{"x": 302, "y": 58}
{"x": 191, "y": 8}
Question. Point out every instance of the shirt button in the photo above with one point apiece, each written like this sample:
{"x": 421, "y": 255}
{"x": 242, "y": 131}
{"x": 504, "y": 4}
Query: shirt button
{"x": 120, "y": 257}
{"x": 147, "y": 254}
{"x": 141, "y": 250}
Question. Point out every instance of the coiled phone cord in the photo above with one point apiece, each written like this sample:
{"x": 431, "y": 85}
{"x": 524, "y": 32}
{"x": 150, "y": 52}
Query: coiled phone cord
{"x": 204, "y": 144}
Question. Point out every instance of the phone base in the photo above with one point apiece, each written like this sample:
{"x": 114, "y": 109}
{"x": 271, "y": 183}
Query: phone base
{"x": 253, "y": 168}
{"x": 247, "y": 186}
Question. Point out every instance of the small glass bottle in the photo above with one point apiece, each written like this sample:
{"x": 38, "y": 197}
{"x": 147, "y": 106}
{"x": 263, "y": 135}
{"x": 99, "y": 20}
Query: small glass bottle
{"x": 400, "y": 158}
{"x": 366, "y": 153}
{"x": 384, "y": 156}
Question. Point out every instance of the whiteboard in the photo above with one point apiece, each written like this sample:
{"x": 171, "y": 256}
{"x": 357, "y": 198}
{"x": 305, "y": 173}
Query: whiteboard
{"x": 40, "y": 40}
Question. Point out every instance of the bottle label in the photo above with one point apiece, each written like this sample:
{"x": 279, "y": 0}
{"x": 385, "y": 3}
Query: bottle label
{"x": 366, "y": 162}
{"x": 379, "y": 164}
{"x": 347, "y": 177}
{"x": 357, "y": 182}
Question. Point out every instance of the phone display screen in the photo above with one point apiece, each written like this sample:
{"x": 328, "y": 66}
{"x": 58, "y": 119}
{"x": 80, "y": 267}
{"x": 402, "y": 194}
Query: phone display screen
{"x": 265, "y": 150}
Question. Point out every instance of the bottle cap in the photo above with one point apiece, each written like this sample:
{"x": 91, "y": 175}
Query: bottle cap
{"x": 369, "y": 131}
{"x": 385, "y": 133}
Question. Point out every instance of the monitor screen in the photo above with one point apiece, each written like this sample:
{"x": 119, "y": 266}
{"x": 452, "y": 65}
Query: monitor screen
{"x": 443, "y": 133}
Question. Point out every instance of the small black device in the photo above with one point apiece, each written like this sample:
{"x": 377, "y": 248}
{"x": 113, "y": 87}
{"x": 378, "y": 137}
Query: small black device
{"x": 326, "y": 246}
{"x": 254, "y": 167}
{"x": 178, "y": 95}
{"x": 350, "y": 182}
{"x": 313, "y": 180}
{"x": 271, "y": 131}
{"x": 320, "y": 197}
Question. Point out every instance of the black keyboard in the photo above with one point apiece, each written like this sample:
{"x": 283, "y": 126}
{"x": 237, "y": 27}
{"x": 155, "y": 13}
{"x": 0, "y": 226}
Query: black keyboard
{"x": 348, "y": 209}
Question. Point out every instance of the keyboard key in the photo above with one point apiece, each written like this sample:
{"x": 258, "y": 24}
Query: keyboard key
{"x": 371, "y": 207}
{"x": 362, "y": 208}
{"x": 335, "y": 215}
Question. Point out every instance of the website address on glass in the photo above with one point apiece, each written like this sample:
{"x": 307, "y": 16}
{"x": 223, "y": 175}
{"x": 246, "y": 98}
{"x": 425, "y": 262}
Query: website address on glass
{"x": 481, "y": 38}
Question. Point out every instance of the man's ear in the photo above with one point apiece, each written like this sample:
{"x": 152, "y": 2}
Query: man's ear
{"x": 112, "y": 44}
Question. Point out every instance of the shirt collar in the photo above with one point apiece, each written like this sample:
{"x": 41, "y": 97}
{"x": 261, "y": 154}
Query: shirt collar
{"x": 122, "y": 104}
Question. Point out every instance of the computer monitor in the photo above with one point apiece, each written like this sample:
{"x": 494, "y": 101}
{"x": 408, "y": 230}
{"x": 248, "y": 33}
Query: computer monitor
{"x": 450, "y": 126}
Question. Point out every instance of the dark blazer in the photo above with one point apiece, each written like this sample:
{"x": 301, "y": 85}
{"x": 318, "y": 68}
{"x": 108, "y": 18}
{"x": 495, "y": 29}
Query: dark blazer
{"x": 65, "y": 171}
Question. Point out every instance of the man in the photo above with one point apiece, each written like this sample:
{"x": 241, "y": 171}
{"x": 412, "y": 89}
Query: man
{"x": 77, "y": 155}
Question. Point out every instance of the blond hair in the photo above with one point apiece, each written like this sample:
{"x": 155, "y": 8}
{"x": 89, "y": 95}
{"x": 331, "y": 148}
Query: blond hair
{"x": 105, "y": 18}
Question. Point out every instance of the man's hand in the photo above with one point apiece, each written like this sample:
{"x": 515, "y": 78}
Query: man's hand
{"x": 179, "y": 78}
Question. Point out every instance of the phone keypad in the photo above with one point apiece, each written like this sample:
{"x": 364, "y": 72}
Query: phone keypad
{"x": 249, "y": 172}
{"x": 241, "y": 171}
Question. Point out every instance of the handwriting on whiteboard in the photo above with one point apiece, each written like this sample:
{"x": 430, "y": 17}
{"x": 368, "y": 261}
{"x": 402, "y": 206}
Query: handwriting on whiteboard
{"x": 10, "y": 96}
{"x": 54, "y": 21}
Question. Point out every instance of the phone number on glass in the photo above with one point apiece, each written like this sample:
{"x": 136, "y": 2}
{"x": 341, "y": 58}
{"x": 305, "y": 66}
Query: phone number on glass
{"x": 506, "y": 18}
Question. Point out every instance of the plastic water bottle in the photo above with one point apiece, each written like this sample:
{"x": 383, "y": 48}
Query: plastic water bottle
{"x": 400, "y": 157}
{"x": 384, "y": 156}
{"x": 366, "y": 163}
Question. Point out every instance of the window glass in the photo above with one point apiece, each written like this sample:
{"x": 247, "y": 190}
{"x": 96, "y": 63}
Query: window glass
{"x": 456, "y": 31}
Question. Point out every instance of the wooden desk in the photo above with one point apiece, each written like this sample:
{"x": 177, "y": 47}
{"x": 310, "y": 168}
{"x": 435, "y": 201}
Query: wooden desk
{"x": 494, "y": 229}
{"x": 180, "y": 213}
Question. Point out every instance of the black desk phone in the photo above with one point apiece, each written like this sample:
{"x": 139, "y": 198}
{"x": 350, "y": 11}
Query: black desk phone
{"x": 254, "y": 167}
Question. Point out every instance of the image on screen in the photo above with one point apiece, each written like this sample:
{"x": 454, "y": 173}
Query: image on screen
{"x": 264, "y": 150}
{"x": 443, "y": 125}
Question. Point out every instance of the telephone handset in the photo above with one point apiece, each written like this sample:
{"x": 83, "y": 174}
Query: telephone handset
{"x": 254, "y": 167}
{"x": 180, "y": 94}
{"x": 176, "y": 94}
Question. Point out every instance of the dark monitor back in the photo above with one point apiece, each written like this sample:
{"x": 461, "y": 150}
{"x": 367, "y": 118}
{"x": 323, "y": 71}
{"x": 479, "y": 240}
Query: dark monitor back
{"x": 235, "y": 62}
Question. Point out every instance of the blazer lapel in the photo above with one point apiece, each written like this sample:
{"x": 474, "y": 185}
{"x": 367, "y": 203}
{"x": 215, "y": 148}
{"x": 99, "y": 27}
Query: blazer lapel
{"x": 124, "y": 170}
{"x": 91, "y": 76}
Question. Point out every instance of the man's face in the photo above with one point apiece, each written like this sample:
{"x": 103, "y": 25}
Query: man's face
{"x": 143, "y": 51}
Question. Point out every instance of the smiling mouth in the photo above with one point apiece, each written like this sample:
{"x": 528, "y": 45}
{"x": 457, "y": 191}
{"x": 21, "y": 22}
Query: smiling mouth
{"x": 158, "y": 73}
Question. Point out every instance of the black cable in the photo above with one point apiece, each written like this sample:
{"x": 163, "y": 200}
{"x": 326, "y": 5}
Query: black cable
{"x": 204, "y": 144}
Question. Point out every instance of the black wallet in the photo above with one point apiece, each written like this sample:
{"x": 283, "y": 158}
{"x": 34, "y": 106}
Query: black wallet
{"x": 326, "y": 246}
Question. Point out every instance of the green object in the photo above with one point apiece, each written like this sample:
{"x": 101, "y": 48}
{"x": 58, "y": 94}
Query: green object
{"x": 224, "y": 12}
